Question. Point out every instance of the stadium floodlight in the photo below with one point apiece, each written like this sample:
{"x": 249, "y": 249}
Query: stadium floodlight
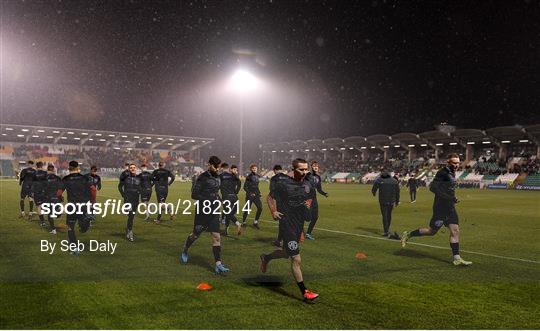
{"x": 423, "y": 145}
{"x": 307, "y": 150}
{"x": 273, "y": 151}
{"x": 77, "y": 138}
{"x": 486, "y": 142}
{"x": 136, "y": 137}
{"x": 70, "y": 132}
{"x": 4, "y": 134}
{"x": 523, "y": 141}
{"x": 351, "y": 147}
{"x": 439, "y": 144}
{"x": 410, "y": 145}
{"x": 242, "y": 82}
{"x": 40, "y": 131}
{"x": 25, "y": 130}
{"x": 84, "y": 133}
{"x": 342, "y": 148}
{"x": 35, "y": 136}
{"x": 124, "y": 136}
{"x": 324, "y": 149}
{"x": 363, "y": 147}
{"x": 470, "y": 143}
{"x": 452, "y": 144}
{"x": 50, "y": 137}
{"x": 91, "y": 139}
{"x": 505, "y": 141}
{"x": 397, "y": 146}
{"x": 56, "y": 131}
{"x": 332, "y": 149}
{"x": 111, "y": 135}
{"x": 63, "y": 137}
{"x": 372, "y": 147}
{"x": 98, "y": 134}
{"x": 102, "y": 139}
{"x": 386, "y": 146}
{"x": 20, "y": 135}
{"x": 9, "y": 129}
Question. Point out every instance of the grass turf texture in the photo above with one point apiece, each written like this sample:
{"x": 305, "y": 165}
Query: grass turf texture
{"x": 143, "y": 285}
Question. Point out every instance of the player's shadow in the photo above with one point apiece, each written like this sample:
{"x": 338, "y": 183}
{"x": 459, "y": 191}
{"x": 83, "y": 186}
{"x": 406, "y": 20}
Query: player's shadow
{"x": 370, "y": 230}
{"x": 418, "y": 254}
{"x": 200, "y": 261}
{"x": 271, "y": 283}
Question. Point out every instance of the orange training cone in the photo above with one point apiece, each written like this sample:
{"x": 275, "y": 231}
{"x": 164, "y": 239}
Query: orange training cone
{"x": 361, "y": 255}
{"x": 204, "y": 287}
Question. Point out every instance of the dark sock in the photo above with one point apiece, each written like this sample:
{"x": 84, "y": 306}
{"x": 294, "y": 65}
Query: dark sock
{"x": 217, "y": 253}
{"x": 51, "y": 222}
{"x": 311, "y": 226}
{"x": 415, "y": 233}
{"x": 455, "y": 248}
{"x": 71, "y": 236}
{"x": 244, "y": 216}
{"x": 31, "y": 206}
{"x": 41, "y": 219}
{"x": 21, "y": 205}
{"x": 189, "y": 241}
{"x": 302, "y": 287}
{"x": 130, "y": 221}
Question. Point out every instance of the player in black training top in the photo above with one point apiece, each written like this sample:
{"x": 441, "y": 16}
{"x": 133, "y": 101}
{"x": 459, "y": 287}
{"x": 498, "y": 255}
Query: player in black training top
{"x": 26, "y": 176}
{"x": 162, "y": 178}
{"x": 315, "y": 180}
{"x": 230, "y": 186}
{"x": 444, "y": 209}
{"x": 293, "y": 193}
{"x": 412, "y": 184}
{"x": 388, "y": 189}
{"x": 53, "y": 193}
{"x": 253, "y": 195}
{"x": 130, "y": 189}
{"x": 95, "y": 185}
{"x": 147, "y": 181}
{"x": 206, "y": 193}
{"x": 125, "y": 173}
{"x": 39, "y": 183}
{"x": 78, "y": 193}
{"x": 272, "y": 202}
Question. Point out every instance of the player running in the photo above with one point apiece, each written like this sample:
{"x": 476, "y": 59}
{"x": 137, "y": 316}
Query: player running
{"x": 162, "y": 178}
{"x": 205, "y": 192}
{"x": 315, "y": 180}
{"x": 26, "y": 177}
{"x": 53, "y": 193}
{"x": 130, "y": 189}
{"x": 78, "y": 192}
{"x": 272, "y": 198}
{"x": 39, "y": 183}
{"x": 253, "y": 195}
{"x": 230, "y": 186}
{"x": 444, "y": 210}
{"x": 293, "y": 193}
{"x": 95, "y": 185}
{"x": 412, "y": 184}
{"x": 147, "y": 182}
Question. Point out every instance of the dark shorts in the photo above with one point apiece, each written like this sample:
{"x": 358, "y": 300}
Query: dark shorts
{"x": 93, "y": 194}
{"x": 206, "y": 222}
{"x": 26, "y": 191}
{"x": 82, "y": 219}
{"x": 161, "y": 193}
{"x": 146, "y": 194}
{"x": 440, "y": 219}
{"x": 39, "y": 198}
{"x": 229, "y": 202}
{"x": 291, "y": 231}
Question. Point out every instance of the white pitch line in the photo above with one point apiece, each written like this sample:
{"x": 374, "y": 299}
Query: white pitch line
{"x": 408, "y": 243}
{"x": 426, "y": 245}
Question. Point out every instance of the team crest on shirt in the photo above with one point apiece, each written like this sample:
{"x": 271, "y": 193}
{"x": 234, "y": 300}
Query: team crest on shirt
{"x": 293, "y": 245}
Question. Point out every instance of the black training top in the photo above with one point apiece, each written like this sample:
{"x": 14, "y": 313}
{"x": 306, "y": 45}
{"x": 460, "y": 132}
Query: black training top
{"x": 292, "y": 194}
{"x": 162, "y": 177}
{"x": 147, "y": 180}
{"x": 130, "y": 187}
{"x": 206, "y": 187}
{"x": 230, "y": 185}
{"x": 412, "y": 183}
{"x": 54, "y": 183}
{"x": 77, "y": 187}
{"x": 27, "y": 176}
{"x": 95, "y": 180}
{"x": 273, "y": 184}
{"x": 388, "y": 188}
{"x": 39, "y": 182}
{"x": 251, "y": 185}
{"x": 444, "y": 187}
{"x": 315, "y": 181}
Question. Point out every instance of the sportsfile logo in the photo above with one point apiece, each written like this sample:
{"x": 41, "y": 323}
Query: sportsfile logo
{"x": 118, "y": 207}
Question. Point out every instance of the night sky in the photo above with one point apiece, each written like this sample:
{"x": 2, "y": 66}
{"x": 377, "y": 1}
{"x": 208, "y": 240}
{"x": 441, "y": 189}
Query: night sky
{"x": 331, "y": 68}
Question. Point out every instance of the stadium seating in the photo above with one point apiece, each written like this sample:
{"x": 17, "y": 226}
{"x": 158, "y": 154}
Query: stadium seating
{"x": 508, "y": 178}
{"x": 532, "y": 180}
{"x": 6, "y": 169}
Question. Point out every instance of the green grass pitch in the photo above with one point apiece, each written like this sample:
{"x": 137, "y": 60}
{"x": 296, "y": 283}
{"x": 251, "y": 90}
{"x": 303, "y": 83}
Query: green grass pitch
{"x": 143, "y": 285}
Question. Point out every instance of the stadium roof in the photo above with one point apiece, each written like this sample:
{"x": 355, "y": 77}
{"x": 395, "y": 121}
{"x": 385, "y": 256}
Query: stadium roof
{"x": 27, "y": 134}
{"x": 504, "y": 135}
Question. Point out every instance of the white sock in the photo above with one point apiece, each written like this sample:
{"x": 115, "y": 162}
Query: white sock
{"x": 457, "y": 257}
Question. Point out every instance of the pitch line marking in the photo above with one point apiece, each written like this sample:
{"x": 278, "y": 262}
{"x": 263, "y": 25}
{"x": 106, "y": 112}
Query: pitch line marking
{"x": 411, "y": 243}
{"x": 426, "y": 245}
